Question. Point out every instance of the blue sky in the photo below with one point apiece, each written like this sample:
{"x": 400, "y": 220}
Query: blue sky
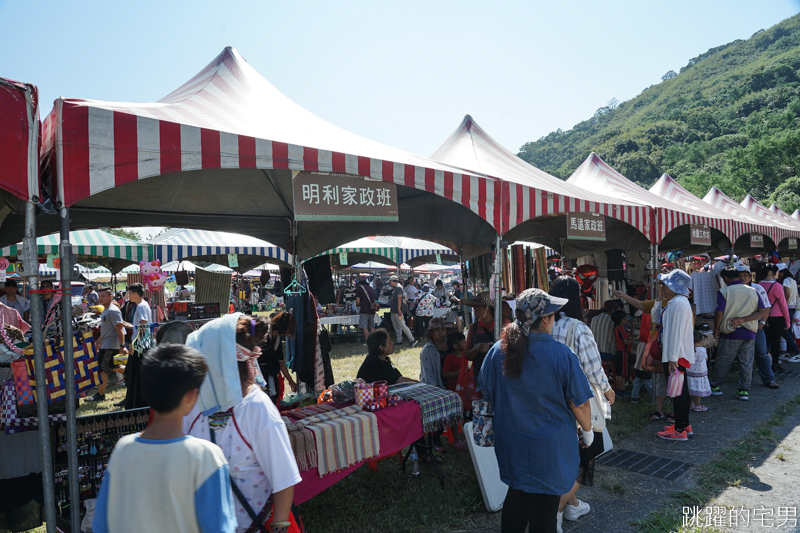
{"x": 402, "y": 73}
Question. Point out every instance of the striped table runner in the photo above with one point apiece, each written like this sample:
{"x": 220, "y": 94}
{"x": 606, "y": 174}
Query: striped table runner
{"x": 345, "y": 441}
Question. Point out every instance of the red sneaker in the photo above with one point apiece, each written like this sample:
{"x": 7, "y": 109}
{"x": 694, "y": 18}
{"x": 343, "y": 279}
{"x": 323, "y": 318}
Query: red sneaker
{"x": 688, "y": 429}
{"x": 671, "y": 434}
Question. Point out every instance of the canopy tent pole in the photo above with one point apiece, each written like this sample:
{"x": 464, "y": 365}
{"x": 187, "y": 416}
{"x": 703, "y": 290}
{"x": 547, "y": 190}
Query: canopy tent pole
{"x": 498, "y": 292}
{"x": 31, "y": 262}
{"x": 652, "y": 273}
{"x": 65, "y": 252}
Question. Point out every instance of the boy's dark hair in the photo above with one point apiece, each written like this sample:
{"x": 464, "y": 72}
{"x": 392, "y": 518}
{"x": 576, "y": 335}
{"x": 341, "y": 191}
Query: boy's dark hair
{"x": 136, "y": 288}
{"x": 729, "y": 272}
{"x": 453, "y": 339}
{"x": 377, "y": 339}
{"x": 11, "y": 283}
{"x": 618, "y": 316}
{"x": 698, "y": 337}
{"x": 104, "y": 289}
{"x": 49, "y": 283}
{"x": 168, "y": 372}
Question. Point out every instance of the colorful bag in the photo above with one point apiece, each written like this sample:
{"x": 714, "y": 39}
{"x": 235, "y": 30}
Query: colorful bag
{"x": 483, "y": 423}
{"x": 675, "y": 383}
{"x": 86, "y": 368}
{"x": 363, "y": 393}
{"x": 22, "y": 383}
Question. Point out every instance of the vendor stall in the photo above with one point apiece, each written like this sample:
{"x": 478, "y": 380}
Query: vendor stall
{"x": 415, "y": 252}
{"x": 418, "y": 409}
{"x": 94, "y": 246}
{"x": 361, "y": 250}
{"x": 216, "y": 247}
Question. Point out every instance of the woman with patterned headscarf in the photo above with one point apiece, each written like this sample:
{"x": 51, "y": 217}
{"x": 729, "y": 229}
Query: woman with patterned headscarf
{"x": 538, "y": 391}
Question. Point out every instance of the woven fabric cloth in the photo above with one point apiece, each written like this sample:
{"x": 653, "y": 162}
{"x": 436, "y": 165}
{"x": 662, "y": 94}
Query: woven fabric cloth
{"x": 440, "y": 408}
{"x": 302, "y": 438}
{"x": 305, "y": 452}
{"x": 9, "y": 419}
{"x": 345, "y": 441}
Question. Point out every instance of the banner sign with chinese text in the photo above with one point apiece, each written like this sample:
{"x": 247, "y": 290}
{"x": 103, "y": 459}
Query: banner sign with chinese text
{"x": 756, "y": 240}
{"x": 586, "y": 226}
{"x": 322, "y": 196}
{"x": 700, "y": 235}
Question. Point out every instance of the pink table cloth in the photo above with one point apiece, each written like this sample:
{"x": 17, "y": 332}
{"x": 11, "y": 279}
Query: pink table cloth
{"x": 398, "y": 427}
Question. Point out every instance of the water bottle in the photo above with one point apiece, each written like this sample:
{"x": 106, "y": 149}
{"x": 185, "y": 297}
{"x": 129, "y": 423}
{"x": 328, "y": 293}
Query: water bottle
{"x": 413, "y": 460}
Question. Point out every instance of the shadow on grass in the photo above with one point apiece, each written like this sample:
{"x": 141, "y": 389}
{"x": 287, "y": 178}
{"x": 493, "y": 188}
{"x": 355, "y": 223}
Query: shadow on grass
{"x": 391, "y": 501}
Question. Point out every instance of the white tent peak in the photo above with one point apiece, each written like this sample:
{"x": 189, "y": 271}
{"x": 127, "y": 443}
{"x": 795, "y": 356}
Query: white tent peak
{"x": 796, "y": 214}
{"x": 471, "y": 148}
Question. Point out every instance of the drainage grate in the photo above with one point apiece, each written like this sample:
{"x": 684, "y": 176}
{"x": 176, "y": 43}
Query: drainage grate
{"x": 644, "y": 463}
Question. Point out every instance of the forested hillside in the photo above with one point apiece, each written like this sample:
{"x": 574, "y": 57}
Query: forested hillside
{"x": 730, "y": 118}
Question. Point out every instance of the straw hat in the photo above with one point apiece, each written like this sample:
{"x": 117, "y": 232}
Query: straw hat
{"x": 483, "y": 299}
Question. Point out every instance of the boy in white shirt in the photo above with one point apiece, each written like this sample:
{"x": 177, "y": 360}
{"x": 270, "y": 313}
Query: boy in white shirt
{"x": 161, "y": 479}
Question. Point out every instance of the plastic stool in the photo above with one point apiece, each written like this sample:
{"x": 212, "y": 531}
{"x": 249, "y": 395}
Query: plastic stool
{"x": 373, "y": 465}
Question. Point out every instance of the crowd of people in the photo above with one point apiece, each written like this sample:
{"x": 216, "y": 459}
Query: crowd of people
{"x": 544, "y": 377}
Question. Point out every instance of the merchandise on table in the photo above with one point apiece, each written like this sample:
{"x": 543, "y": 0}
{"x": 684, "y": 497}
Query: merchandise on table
{"x": 331, "y": 438}
{"x": 97, "y": 436}
{"x": 440, "y": 408}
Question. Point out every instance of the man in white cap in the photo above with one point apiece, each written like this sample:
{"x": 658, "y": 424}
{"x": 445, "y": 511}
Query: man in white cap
{"x": 677, "y": 341}
{"x": 763, "y": 360}
{"x": 739, "y": 308}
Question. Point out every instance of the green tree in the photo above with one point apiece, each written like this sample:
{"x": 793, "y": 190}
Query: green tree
{"x": 120, "y": 232}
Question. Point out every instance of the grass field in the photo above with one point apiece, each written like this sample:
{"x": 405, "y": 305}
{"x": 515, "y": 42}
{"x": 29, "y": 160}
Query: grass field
{"x": 389, "y": 500}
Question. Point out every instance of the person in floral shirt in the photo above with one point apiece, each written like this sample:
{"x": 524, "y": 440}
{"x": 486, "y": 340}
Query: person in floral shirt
{"x": 424, "y": 310}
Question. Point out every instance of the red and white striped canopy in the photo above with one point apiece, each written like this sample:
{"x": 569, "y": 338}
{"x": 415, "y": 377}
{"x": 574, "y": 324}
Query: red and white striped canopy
{"x": 666, "y": 187}
{"x": 722, "y": 202}
{"x": 529, "y": 192}
{"x": 595, "y": 174}
{"x": 229, "y": 117}
{"x": 761, "y": 212}
{"x": 787, "y": 218}
{"x": 19, "y": 139}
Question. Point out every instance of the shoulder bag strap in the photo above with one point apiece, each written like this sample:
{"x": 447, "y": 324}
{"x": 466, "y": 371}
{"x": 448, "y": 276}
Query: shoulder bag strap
{"x": 238, "y": 493}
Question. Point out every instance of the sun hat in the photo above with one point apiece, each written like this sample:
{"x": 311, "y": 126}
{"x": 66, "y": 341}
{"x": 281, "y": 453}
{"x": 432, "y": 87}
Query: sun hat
{"x": 394, "y": 278}
{"x": 439, "y": 322}
{"x": 483, "y": 299}
{"x": 535, "y": 303}
{"x": 677, "y": 281}
{"x": 741, "y": 267}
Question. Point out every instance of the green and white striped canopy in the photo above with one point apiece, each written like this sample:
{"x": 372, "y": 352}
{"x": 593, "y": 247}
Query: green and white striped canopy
{"x": 93, "y": 242}
{"x": 365, "y": 246}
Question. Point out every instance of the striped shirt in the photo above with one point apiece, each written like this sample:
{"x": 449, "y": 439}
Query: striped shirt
{"x": 603, "y": 331}
{"x": 584, "y": 346}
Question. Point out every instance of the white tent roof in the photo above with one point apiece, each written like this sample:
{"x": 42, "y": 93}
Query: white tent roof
{"x": 535, "y": 194}
{"x": 411, "y": 249}
{"x": 241, "y": 139}
{"x": 214, "y": 246}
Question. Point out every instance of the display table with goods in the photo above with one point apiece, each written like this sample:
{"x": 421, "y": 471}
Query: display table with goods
{"x": 97, "y": 435}
{"x": 362, "y": 422}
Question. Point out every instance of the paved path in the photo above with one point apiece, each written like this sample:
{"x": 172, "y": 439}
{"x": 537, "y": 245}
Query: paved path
{"x": 620, "y": 497}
